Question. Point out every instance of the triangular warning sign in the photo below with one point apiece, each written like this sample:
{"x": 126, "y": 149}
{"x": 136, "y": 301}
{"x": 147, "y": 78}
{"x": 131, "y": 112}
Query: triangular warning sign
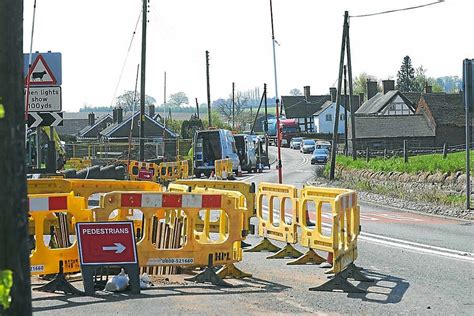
{"x": 40, "y": 73}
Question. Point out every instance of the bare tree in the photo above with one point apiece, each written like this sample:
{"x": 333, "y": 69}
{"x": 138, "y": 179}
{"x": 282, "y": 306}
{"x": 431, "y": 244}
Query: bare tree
{"x": 295, "y": 92}
{"x": 241, "y": 103}
{"x": 128, "y": 99}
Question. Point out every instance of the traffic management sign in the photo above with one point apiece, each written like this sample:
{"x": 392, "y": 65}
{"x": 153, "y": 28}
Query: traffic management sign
{"x": 42, "y": 99}
{"x": 106, "y": 243}
{"x": 45, "y": 69}
{"x": 36, "y": 119}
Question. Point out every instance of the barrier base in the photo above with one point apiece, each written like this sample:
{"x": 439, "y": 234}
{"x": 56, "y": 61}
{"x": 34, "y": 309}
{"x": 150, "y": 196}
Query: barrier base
{"x": 59, "y": 284}
{"x": 339, "y": 281}
{"x": 286, "y": 252}
{"x": 243, "y": 244}
{"x": 353, "y": 272}
{"x": 230, "y": 270}
{"x": 310, "y": 257}
{"x": 209, "y": 275}
{"x": 264, "y": 245}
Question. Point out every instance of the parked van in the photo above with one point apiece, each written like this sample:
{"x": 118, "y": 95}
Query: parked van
{"x": 211, "y": 145}
{"x": 246, "y": 151}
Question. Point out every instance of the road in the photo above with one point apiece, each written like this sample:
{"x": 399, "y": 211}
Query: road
{"x": 421, "y": 265}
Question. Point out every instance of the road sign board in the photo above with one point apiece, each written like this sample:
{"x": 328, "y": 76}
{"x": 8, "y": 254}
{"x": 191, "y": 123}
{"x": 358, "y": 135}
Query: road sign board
{"x": 36, "y": 119}
{"x": 45, "y": 69}
{"x": 42, "y": 99}
{"x": 106, "y": 243}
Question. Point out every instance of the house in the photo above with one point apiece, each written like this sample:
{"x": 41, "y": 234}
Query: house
{"x": 387, "y": 102}
{"x": 324, "y": 119}
{"x": 447, "y": 114}
{"x": 389, "y": 131}
{"x": 74, "y": 122}
{"x": 304, "y": 107}
{"x": 93, "y": 129}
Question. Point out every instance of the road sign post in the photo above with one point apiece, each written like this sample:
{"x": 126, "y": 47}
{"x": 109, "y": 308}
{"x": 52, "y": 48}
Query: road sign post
{"x": 107, "y": 244}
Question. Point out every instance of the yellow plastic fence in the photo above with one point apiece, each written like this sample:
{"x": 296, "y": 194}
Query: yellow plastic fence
{"x": 78, "y": 163}
{"x": 223, "y": 168}
{"x": 200, "y": 247}
{"x": 143, "y": 171}
{"x": 45, "y": 260}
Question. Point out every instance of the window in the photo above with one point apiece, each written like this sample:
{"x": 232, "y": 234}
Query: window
{"x": 341, "y": 117}
{"x": 328, "y": 117}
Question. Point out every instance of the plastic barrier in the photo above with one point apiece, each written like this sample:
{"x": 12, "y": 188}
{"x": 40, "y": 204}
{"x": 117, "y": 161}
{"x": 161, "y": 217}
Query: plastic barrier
{"x": 45, "y": 260}
{"x": 199, "y": 248}
{"x": 184, "y": 168}
{"x": 247, "y": 189}
{"x": 170, "y": 171}
{"x": 143, "y": 171}
{"x": 78, "y": 163}
{"x": 284, "y": 228}
{"x": 223, "y": 168}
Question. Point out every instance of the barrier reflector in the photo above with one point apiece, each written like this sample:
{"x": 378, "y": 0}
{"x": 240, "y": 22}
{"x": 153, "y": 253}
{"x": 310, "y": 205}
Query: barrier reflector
{"x": 167, "y": 200}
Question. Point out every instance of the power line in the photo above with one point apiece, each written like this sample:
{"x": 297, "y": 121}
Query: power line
{"x": 126, "y": 57}
{"x": 396, "y": 10}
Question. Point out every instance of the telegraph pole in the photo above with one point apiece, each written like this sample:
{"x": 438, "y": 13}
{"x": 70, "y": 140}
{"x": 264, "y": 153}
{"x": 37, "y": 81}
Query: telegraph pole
{"x": 208, "y": 90}
{"x": 279, "y": 166}
{"x": 164, "y": 118}
{"x": 233, "y": 105}
{"x": 14, "y": 241}
{"x": 351, "y": 92}
{"x": 346, "y": 141}
{"x": 338, "y": 100}
{"x": 468, "y": 80}
{"x": 197, "y": 107}
{"x": 142, "y": 82}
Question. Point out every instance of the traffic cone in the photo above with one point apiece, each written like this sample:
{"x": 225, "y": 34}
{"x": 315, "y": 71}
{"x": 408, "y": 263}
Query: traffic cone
{"x": 239, "y": 171}
{"x": 212, "y": 176}
{"x": 330, "y": 259}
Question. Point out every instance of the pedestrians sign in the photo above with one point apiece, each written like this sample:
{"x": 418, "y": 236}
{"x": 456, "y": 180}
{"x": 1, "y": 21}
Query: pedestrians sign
{"x": 36, "y": 119}
{"x": 42, "y": 99}
{"x": 45, "y": 69}
{"x": 106, "y": 243}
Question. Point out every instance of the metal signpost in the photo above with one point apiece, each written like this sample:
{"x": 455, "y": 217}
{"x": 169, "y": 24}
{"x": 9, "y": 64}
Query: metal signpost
{"x": 43, "y": 94}
{"x": 107, "y": 244}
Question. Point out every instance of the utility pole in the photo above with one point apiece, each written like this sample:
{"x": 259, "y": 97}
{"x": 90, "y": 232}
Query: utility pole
{"x": 142, "y": 82}
{"x": 14, "y": 241}
{"x": 277, "y": 101}
{"x": 346, "y": 141}
{"x": 351, "y": 92}
{"x": 233, "y": 105}
{"x": 468, "y": 80}
{"x": 197, "y": 108}
{"x": 164, "y": 117}
{"x": 265, "y": 126}
{"x": 208, "y": 90}
{"x": 338, "y": 100}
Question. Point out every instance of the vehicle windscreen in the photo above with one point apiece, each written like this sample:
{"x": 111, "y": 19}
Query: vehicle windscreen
{"x": 297, "y": 140}
{"x": 290, "y": 129}
{"x": 320, "y": 152}
{"x": 308, "y": 142}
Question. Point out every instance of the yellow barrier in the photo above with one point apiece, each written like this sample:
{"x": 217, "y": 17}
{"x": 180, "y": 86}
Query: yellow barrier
{"x": 170, "y": 171}
{"x": 43, "y": 259}
{"x": 284, "y": 228}
{"x": 184, "y": 169}
{"x": 200, "y": 248}
{"x": 223, "y": 168}
{"x": 78, "y": 163}
{"x": 143, "y": 171}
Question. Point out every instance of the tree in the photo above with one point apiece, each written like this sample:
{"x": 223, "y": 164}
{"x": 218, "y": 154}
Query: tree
{"x": 126, "y": 100}
{"x": 406, "y": 76}
{"x": 360, "y": 83}
{"x": 177, "y": 99}
{"x": 295, "y": 92}
{"x": 241, "y": 102}
{"x": 422, "y": 80}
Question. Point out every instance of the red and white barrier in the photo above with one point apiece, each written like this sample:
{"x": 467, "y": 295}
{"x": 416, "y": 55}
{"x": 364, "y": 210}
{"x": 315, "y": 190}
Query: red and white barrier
{"x": 171, "y": 200}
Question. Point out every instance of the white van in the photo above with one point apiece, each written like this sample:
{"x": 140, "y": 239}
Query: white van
{"x": 211, "y": 145}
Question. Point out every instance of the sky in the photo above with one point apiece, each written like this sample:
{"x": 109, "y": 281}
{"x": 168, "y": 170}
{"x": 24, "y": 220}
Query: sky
{"x": 94, "y": 36}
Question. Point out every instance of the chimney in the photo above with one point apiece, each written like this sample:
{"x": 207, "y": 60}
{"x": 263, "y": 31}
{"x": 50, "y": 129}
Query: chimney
{"x": 388, "y": 85}
{"x": 307, "y": 93}
{"x": 91, "y": 119}
{"x": 151, "y": 110}
{"x": 428, "y": 89}
{"x": 371, "y": 88}
{"x": 333, "y": 94}
{"x": 119, "y": 115}
{"x": 114, "y": 115}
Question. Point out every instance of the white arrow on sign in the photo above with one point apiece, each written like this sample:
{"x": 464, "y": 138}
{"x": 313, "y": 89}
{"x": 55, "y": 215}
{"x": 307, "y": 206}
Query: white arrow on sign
{"x": 119, "y": 248}
{"x": 57, "y": 119}
{"x": 38, "y": 119}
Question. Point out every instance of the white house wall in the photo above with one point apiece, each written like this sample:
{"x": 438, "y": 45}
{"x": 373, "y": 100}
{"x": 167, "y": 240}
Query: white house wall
{"x": 324, "y": 126}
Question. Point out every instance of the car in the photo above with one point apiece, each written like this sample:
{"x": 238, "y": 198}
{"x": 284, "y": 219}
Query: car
{"x": 307, "y": 146}
{"x": 320, "y": 155}
{"x": 295, "y": 142}
{"x": 323, "y": 144}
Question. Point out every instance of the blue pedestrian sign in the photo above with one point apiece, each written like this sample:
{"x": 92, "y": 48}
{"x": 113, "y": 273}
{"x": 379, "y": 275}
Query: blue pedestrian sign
{"x": 45, "y": 69}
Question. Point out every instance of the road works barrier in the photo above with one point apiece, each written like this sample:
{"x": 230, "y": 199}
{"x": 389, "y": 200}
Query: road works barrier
{"x": 45, "y": 260}
{"x": 340, "y": 242}
{"x": 223, "y": 168}
{"x": 199, "y": 247}
{"x": 144, "y": 171}
{"x": 284, "y": 228}
{"x": 78, "y": 163}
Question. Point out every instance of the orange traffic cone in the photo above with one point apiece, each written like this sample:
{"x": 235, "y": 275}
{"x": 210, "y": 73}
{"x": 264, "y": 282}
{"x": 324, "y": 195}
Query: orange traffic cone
{"x": 330, "y": 258}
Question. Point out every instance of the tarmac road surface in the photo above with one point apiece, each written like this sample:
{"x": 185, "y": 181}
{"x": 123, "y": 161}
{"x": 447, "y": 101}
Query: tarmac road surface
{"x": 421, "y": 265}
